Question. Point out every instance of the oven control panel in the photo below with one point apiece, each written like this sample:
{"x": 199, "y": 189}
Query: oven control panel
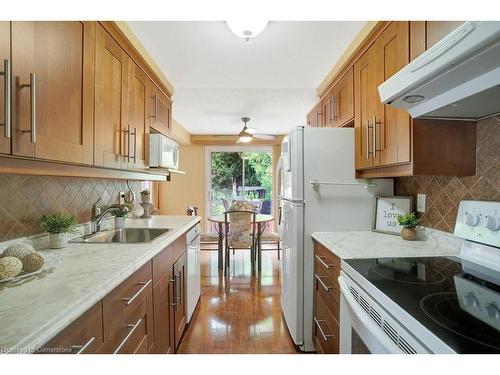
{"x": 479, "y": 221}
{"x": 478, "y": 300}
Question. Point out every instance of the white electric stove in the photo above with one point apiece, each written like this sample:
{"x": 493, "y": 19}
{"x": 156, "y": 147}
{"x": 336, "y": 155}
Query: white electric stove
{"x": 428, "y": 305}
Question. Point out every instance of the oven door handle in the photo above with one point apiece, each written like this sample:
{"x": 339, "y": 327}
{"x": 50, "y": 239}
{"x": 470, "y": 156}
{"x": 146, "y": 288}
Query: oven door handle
{"x": 366, "y": 320}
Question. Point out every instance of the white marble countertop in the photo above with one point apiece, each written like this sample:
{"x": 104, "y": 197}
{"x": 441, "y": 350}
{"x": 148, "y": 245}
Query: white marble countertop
{"x": 368, "y": 244}
{"x": 35, "y": 311}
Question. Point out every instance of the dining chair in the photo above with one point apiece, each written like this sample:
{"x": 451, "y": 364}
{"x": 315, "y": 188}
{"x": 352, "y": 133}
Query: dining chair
{"x": 239, "y": 234}
{"x": 206, "y": 238}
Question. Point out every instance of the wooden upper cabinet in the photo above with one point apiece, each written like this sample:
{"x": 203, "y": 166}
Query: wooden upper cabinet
{"x": 365, "y": 88}
{"x": 391, "y": 126}
{"x": 342, "y": 100}
{"x": 4, "y": 56}
{"x": 424, "y": 34}
{"x": 314, "y": 116}
{"x": 111, "y": 82}
{"x": 136, "y": 137}
{"x": 52, "y": 90}
{"x": 160, "y": 111}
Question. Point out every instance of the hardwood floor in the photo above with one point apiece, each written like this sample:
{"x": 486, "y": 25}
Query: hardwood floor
{"x": 241, "y": 314}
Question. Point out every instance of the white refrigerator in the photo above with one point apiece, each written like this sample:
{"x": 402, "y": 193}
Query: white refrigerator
{"x": 325, "y": 155}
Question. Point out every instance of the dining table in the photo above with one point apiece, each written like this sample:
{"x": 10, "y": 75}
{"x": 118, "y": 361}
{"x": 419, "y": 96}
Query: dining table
{"x": 260, "y": 220}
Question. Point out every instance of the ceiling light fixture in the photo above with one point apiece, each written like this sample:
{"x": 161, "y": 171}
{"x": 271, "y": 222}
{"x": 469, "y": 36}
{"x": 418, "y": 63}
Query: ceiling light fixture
{"x": 247, "y": 29}
{"x": 245, "y": 136}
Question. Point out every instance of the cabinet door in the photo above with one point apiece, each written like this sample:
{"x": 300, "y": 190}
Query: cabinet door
{"x": 343, "y": 100}
{"x": 111, "y": 80}
{"x": 52, "y": 70}
{"x": 365, "y": 89}
{"x": 391, "y": 126}
{"x": 83, "y": 336}
{"x": 163, "y": 300}
{"x": 4, "y": 55}
{"x": 180, "y": 298}
{"x": 326, "y": 110}
{"x": 314, "y": 117}
{"x": 160, "y": 111}
{"x": 136, "y": 138}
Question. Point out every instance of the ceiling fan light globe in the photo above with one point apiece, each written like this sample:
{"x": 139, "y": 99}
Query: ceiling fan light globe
{"x": 247, "y": 29}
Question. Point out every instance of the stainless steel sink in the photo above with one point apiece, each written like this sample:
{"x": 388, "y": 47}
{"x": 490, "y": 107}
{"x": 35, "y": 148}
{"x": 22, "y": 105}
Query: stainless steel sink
{"x": 124, "y": 235}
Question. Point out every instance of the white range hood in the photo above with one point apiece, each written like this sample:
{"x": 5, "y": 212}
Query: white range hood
{"x": 458, "y": 78}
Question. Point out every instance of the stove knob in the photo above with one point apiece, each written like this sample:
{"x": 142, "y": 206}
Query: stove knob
{"x": 471, "y": 300}
{"x": 492, "y": 223}
{"x": 493, "y": 311}
{"x": 471, "y": 219}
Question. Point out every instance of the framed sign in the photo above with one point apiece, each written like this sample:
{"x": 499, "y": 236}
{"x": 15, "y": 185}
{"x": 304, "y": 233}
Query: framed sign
{"x": 387, "y": 210}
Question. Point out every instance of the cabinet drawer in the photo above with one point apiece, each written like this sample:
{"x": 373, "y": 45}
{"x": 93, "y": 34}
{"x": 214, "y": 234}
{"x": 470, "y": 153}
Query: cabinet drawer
{"x": 83, "y": 336}
{"x": 135, "y": 332}
{"x": 162, "y": 264}
{"x": 122, "y": 301}
{"x": 326, "y": 329}
{"x": 328, "y": 263}
{"x": 329, "y": 290}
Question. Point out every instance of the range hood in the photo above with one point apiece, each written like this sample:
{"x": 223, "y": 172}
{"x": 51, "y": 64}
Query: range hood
{"x": 458, "y": 78}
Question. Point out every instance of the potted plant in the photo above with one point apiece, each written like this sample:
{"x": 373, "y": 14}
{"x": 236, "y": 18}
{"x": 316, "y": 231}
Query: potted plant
{"x": 120, "y": 213}
{"x": 57, "y": 225}
{"x": 146, "y": 196}
{"x": 409, "y": 222}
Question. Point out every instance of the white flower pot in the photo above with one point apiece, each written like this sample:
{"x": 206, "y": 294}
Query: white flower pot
{"x": 146, "y": 198}
{"x": 119, "y": 222}
{"x": 58, "y": 240}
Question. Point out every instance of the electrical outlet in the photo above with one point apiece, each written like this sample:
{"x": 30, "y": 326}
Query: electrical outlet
{"x": 121, "y": 197}
{"x": 421, "y": 203}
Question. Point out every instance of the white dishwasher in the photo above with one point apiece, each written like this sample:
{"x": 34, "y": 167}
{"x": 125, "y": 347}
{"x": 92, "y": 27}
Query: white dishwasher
{"x": 193, "y": 279}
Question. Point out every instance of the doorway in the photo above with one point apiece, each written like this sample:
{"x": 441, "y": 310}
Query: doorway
{"x": 238, "y": 173}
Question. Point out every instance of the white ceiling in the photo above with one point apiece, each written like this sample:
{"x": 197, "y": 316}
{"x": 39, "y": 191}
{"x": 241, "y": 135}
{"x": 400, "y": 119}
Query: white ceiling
{"x": 219, "y": 77}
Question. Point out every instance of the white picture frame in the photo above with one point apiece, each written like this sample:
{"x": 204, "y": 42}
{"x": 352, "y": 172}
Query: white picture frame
{"x": 386, "y": 211}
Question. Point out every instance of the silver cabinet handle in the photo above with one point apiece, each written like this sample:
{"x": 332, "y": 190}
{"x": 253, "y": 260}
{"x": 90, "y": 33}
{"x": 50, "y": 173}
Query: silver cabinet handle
{"x": 132, "y": 327}
{"x": 368, "y": 152}
{"x": 320, "y": 259}
{"x": 84, "y": 347}
{"x": 128, "y": 301}
{"x": 318, "y": 115}
{"x": 330, "y": 101}
{"x": 155, "y": 98}
{"x": 375, "y": 123}
{"x": 325, "y": 336}
{"x": 135, "y": 144}
{"x": 32, "y": 86}
{"x": 128, "y": 143}
{"x": 174, "y": 304}
{"x": 326, "y": 287}
{"x": 6, "y": 98}
{"x": 178, "y": 295}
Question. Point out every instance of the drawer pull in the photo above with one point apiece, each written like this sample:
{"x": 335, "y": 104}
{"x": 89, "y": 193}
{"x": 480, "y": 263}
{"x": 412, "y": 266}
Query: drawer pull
{"x": 132, "y": 327}
{"x": 82, "y": 348}
{"x": 128, "y": 301}
{"x": 327, "y": 288}
{"x": 178, "y": 295}
{"x": 325, "y": 337}
{"x": 320, "y": 259}
{"x": 173, "y": 304}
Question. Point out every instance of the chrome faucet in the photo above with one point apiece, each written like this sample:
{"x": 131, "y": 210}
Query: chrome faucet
{"x": 98, "y": 215}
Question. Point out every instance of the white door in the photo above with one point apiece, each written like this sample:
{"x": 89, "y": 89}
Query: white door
{"x": 291, "y": 268}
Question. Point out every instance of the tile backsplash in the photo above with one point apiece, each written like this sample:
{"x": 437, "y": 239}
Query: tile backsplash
{"x": 444, "y": 193}
{"x": 23, "y": 199}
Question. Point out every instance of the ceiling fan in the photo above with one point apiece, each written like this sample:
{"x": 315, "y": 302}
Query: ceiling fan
{"x": 247, "y": 134}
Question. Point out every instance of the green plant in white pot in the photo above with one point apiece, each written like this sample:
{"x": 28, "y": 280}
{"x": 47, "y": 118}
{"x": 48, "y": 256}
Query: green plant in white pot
{"x": 146, "y": 196}
{"x": 409, "y": 222}
{"x": 58, "y": 225}
{"x": 121, "y": 213}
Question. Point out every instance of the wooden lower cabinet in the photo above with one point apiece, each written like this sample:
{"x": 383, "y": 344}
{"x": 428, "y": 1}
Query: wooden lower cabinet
{"x": 326, "y": 315}
{"x": 144, "y": 314}
{"x": 83, "y": 336}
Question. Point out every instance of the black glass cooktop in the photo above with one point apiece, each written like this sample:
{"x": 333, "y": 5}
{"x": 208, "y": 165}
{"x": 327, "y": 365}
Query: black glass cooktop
{"x": 449, "y": 299}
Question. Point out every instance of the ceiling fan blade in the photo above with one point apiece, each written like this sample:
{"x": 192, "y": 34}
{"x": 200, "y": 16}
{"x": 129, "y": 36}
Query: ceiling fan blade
{"x": 265, "y": 136}
{"x": 251, "y": 130}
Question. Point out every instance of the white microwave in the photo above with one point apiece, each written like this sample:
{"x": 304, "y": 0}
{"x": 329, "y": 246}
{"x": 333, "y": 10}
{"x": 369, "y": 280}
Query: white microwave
{"x": 163, "y": 152}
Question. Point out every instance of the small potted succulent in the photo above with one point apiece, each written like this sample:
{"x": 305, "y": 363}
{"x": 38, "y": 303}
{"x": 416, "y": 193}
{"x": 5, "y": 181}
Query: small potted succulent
{"x": 146, "y": 196}
{"x": 120, "y": 214}
{"x": 409, "y": 222}
{"x": 58, "y": 225}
